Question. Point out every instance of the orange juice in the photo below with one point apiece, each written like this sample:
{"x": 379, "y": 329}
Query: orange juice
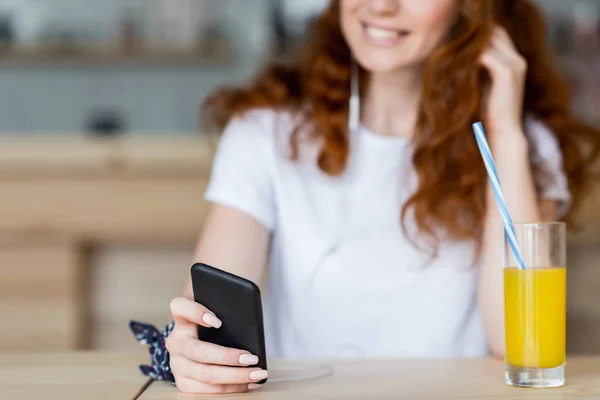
{"x": 535, "y": 314}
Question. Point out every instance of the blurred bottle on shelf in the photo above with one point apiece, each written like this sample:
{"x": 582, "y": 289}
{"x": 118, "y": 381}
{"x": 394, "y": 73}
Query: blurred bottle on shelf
{"x": 129, "y": 34}
{"x": 183, "y": 24}
{"x": 586, "y": 57}
{"x": 281, "y": 40}
{"x": 21, "y": 21}
{"x": 7, "y": 35}
{"x": 290, "y": 22}
{"x": 586, "y": 27}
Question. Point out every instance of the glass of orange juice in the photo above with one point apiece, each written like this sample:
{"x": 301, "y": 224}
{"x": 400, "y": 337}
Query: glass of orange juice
{"x": 535, "y": 306}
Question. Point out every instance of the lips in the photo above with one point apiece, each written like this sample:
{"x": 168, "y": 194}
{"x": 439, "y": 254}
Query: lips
{"x": 384, "y": 35}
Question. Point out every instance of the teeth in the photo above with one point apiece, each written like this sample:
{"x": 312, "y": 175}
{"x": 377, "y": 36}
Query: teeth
{"x": 379, "y": 33}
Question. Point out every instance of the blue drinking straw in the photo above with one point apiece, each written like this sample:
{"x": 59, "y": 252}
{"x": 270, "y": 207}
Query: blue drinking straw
{"x": 509, "y": 229}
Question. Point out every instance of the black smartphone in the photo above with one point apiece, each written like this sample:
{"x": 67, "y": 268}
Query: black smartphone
{"x": 237, "y": 303}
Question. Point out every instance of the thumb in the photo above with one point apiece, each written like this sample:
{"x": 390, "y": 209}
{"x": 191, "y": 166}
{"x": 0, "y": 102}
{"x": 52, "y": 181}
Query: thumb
{"x": 187, "y": 312}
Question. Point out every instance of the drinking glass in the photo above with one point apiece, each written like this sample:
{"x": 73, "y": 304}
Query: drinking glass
{"x": 535, "y": 306}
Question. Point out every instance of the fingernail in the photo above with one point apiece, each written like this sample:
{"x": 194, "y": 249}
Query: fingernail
{"x": 259, "y": 375}
{"x": 248, "y": 359}
{"x": 254, "y": 386}
{"x": 212, "y": 320}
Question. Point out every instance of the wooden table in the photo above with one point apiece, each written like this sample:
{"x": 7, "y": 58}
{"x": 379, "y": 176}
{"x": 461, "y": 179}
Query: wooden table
{"x": 75, "y": 376}
{"x": 423, "y": 379}
{"x": 94, "y": 376}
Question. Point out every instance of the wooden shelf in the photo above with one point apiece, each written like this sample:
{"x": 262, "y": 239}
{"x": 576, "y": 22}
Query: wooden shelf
{"x": 67, "y": 157}
{"x": 216, "y": 54}
{"x": 109, "y": 191}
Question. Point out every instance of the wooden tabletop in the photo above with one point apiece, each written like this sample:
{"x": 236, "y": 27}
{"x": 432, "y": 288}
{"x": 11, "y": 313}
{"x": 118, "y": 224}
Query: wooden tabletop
{"x": 76, "y": 376}
{"x": 94, "y": 376}
{"x": 422, "y": 379}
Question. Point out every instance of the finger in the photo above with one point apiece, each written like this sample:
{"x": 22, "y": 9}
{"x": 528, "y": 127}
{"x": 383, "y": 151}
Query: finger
{"x": 503, "y": 42}
{"x": 502, "y": 35}
{"x": 208, "y": 353}
{"x": 217, "y": 374}
{"x": 186, "y": 311}
{"x": 508, "y": 52}
{"x": 190, "y": 386}
{"x": 506, "y": 61}
{"x": 495, "y": 61}
{"x": 503, "y": 46}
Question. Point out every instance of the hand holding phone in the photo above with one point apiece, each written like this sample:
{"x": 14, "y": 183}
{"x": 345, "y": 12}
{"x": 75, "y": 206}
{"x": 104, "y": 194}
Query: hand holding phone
{"x": 214, "y": 346}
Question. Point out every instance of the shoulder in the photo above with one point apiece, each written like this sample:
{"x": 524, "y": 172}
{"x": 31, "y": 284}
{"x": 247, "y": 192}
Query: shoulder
{"x": 264, "y": 131}
{"x": 257, "y": 141}
{"x": 259, "y": 125}
{"x": 252, "y": 128}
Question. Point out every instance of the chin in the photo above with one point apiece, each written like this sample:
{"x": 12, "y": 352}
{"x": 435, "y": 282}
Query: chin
{"x": 383, "y": 63}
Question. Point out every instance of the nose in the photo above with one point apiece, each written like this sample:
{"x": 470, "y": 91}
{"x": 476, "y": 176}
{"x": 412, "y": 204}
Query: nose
{"x": 385, "y": 7}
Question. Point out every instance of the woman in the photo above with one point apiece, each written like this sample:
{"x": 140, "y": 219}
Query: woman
{"x": 382, "y": 236}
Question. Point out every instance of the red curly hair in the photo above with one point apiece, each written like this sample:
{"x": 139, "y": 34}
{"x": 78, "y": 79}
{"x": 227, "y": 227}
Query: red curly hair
{"x": 320, "y": 78}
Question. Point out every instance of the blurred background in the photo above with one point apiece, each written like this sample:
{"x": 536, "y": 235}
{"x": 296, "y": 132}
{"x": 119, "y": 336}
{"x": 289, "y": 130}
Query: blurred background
{"x": 103, "y": 165}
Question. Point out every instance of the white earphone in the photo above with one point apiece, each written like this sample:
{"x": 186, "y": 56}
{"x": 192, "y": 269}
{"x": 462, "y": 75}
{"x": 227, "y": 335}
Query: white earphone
{"x": 354, "y": 108}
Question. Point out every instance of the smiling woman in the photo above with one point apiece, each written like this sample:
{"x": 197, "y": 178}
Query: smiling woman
{"x": 354, "y": 175}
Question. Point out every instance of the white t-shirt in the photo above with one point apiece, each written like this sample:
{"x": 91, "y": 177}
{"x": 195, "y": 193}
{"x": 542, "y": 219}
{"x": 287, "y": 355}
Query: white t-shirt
{"x": 375, "y": 294}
